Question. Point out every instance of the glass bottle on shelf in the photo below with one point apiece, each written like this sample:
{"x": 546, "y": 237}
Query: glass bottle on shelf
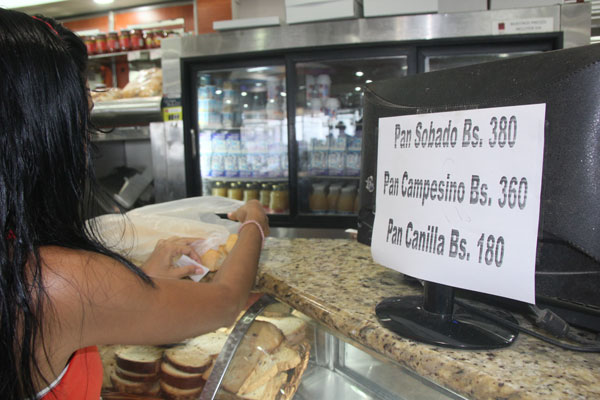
{"x": 251, "y": 192}
{"x": 235, "y": 191}
{"x": 345, "y": 204}
{"x": 317, "y": 200}
{"x": 219, "y": 189}
{"x": 265, "y": 195}
{"x": 333, "y": 196}
{"x": 279, "y": 203}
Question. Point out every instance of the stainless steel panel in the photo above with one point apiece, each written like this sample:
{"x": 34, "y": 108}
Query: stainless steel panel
{"x": 168, "y": 166}
{"x": 141, "y": 110}
{"x": 576, "y": 23}
{"x": 372, "y": 30}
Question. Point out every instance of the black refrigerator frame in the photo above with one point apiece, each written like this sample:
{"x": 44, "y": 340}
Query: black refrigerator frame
{"x": 415, "y": 49}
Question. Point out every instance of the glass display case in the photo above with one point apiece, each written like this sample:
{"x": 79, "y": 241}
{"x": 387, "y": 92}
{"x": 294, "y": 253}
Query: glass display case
{"x": 242, "y": 134}
{"x": 300, "y": 131}
{"x": 273, "y": 352}
{"x": 328, "y": 127}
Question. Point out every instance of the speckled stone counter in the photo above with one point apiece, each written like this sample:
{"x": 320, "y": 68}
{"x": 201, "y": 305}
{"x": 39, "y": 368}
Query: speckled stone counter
{"x": 335, "y": 282}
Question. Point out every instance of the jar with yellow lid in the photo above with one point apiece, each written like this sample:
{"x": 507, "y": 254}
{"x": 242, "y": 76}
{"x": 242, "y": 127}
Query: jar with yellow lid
{"x": 251, "y": 192}
{"x": 265, "y": 195}
{"x": 235, "y": 191}
{"x": 219, "y": 189}
{"x": 279, "y": 203}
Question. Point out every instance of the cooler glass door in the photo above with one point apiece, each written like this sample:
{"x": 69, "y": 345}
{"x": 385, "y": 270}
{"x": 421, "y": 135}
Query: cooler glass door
{"x": 242, "y": 134}
{"x": 329, "y": 99}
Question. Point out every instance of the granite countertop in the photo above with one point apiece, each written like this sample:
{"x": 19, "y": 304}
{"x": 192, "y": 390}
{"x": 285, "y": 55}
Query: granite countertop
{"x": 336, "y": 282}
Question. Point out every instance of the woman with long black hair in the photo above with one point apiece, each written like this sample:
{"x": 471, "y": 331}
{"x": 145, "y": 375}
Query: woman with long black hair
{"x": 61, "y": 291}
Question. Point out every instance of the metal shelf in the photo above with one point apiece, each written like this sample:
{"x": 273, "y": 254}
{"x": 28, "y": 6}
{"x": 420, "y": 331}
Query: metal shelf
{"x": 140, "y": 110}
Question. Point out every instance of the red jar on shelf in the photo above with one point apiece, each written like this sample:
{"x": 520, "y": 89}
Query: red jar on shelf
{"x": 149, "y": 39}
{"x": 158, "y": 36}
{"x": 137, "y": 39}
{"x": 113, "y": 42}
{"x": 90, "y": 44}
{"x": 101, "y": 43}
{"x": 125, "y": 40}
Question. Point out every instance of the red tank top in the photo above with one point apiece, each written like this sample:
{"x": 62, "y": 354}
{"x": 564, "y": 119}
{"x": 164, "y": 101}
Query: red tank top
{"x": 82, "y": 378}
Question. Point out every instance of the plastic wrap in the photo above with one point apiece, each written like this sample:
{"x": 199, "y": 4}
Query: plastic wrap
{"x": 135, "y": 234}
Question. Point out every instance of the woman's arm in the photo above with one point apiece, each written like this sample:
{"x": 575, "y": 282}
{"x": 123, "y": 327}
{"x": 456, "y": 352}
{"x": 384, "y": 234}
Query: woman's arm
{"x": 99, "y": 301}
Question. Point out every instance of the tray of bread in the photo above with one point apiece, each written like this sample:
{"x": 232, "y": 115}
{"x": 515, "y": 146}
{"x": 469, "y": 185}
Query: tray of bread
{"x": 262, "y": 357}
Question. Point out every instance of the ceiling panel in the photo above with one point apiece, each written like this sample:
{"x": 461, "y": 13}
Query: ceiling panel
{"x": 70, "y": 8}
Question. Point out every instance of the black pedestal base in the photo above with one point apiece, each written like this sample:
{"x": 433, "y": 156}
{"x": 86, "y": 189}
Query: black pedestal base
{"x": 461, "y": 329}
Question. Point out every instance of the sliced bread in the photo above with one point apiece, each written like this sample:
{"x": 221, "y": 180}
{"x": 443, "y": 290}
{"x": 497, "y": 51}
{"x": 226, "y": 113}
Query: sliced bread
{"x": 265, "y": 370}
{"x": 188, "y": 359}
{"x": 139, "y": 359}
{"x": 174, "y": 393}
{"x": 294, "y": 329}
{"x": 134, "y": 377}
{"x": 180, "y": 379}
{"x": 262, "y": 337}
{"x": 209, "y": 343}
{"x": 127, "y": 386}
{"x": 277, "y": 310}
{"x": 268, "y": 391}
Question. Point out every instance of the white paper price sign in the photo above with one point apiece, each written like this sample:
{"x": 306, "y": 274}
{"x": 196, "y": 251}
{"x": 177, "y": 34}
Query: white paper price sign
{"x": 458, "y": 197}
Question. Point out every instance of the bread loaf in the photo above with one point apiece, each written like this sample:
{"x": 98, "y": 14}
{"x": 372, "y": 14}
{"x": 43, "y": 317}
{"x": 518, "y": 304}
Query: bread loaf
{"x": 212, "y": 259}
{"x": 231, "y": 240}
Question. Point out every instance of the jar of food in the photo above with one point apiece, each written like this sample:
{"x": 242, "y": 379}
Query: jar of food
{"x": 125, "y": 40}
{"x": 265, "y": 195}
{"x": 101, "y": 43}
{"x": 149, "y": 39}
{"x": 345, "y": 204}
{"x": 158, "y": 36}
{"x": 317, "y": 201}
{"x": 280, "y": 201}
{"x": 219, "y": 189}
{"x": 235, "y": 191}
{"x": 251, "y": 192}
{"x": 333, "y": 196}
{"x": 90, "y": 44}
{"x": 113, "y": 42}
{"x": 137, "y": 39}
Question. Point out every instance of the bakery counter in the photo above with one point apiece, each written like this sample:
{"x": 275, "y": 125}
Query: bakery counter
{"x": 336, "y": 283}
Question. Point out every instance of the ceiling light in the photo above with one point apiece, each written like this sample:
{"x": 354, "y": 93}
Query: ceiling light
{"x": 25, "y": 3}
{"x": 359, "y": 73}
{"x": 103, "y": 1}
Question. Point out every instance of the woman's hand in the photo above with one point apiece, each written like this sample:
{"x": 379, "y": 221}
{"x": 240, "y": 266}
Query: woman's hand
{"x": 161, "y": 261}
{"x": 252, "y": 210}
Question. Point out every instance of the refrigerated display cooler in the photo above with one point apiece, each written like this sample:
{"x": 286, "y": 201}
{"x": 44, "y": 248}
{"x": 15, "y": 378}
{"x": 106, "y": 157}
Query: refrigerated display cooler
{"x": 275, "y": 114}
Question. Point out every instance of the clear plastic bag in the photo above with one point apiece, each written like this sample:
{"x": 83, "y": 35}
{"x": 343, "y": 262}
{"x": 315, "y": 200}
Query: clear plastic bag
{"x": 135, "y": 234}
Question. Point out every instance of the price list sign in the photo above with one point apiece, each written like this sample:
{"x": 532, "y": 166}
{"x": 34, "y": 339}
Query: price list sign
{"x": 458, "y": 197}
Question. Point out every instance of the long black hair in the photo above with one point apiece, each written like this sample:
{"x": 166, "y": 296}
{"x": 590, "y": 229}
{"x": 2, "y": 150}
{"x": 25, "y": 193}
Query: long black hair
{"x": 45, "y": 174}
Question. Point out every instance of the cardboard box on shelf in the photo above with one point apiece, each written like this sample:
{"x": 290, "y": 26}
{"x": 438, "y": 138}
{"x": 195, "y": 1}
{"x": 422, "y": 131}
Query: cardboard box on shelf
{"x": 450, "y": 6}
{"x": 500, "y": 4}
{"x": 376, "y": 8}
{"x": 298, "y": 11}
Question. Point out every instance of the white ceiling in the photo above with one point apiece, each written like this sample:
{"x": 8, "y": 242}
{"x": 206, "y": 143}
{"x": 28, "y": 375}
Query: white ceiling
{"x": 69, "y": 8}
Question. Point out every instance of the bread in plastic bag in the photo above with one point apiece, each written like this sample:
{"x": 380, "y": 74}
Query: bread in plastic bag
{"x": 134, "y": 235}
